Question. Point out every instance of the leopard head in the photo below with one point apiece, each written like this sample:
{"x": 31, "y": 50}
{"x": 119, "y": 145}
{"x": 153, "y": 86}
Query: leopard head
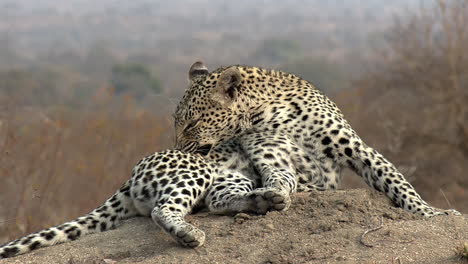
{"x": 212, "y": 108}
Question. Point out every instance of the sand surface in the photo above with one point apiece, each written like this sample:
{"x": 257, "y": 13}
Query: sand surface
{"x": 323, "y": 227}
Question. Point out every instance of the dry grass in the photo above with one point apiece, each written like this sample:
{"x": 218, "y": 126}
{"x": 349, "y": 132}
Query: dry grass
{"x": 58, "y": 165}
{"x": 411, "y": 105}
{"x": 462, "y": 251}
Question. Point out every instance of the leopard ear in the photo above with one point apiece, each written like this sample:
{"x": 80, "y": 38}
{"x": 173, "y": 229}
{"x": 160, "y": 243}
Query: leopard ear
{"x": 197, "y": 69}
{"x": 227, "y": 86}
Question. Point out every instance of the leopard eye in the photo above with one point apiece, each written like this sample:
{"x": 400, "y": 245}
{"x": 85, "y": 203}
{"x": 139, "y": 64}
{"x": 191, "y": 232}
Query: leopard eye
{"x": 191, "y": 125}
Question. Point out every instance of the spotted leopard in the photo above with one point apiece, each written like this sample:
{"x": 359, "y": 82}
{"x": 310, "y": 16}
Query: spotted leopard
{"x": 258, "y": 147}
{"x": 167, "y": 185}
{"x": 231, "y": 101}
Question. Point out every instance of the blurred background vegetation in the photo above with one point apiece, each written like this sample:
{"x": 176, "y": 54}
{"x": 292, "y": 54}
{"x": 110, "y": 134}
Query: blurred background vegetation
{"x": 87, "y": 87}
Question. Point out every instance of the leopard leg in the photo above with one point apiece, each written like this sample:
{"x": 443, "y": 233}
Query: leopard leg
{"x": 346, "y": 148}
{"x": 171, "y": 209}
{"x": 172, "y": 221}
{"x": 231, "y": 192}
{"x": 316, "y": 174}
{"x": 383, "y": 176}
{"x": 235, "y": 192}
{"x": 176, "y": 192}
{"x": 270, "y": 154}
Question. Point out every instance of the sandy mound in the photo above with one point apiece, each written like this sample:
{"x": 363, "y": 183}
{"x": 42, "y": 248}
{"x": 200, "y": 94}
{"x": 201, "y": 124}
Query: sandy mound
{"x": 323, "y": 227}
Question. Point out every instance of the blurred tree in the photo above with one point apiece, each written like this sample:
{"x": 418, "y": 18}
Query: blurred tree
{"x": 98, "y": 61}
{"x": 426, "y": 59}
{"x": 276, "y": 50}
{"x": 39, "y": 87}
{"x": 61, "y": 57}
{"x": 134, "y": 79}
{"x": 413, "y": 103}
{"x": 29, "y": 88}
{"x": 325, "y": 75}
{"x": 8, "y": 55}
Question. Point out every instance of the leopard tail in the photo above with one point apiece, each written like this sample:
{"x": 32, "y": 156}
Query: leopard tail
{"x": 107, "y": 216}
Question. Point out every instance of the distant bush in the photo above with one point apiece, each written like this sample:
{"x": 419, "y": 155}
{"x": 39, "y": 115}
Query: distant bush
{"x": 134, "y": 79}
{"x": 273, "y": 50}
{"x": 39, "y": 87}
{"x": 413, "y": 103}
{"x": 52, "y": 159}
{"x": 319, "y": 71}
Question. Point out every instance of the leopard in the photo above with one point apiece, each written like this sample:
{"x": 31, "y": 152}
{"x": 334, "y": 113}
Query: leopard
{"x": 233, "y": 101}
{"x": 170, "y": 184}
{"x": 246, "y": 139}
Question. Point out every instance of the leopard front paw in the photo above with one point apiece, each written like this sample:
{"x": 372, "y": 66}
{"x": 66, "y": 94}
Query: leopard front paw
{"x": 190, "y": 236}
{"x": 270, "y": 199}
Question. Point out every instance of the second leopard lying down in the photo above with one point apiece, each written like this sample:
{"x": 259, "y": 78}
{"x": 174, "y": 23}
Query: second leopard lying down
{"x": 169, "y": 184}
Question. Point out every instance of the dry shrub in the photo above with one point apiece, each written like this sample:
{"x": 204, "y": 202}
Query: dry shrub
{"x": 413, "y": 105}
{"x": 57, "y": 164}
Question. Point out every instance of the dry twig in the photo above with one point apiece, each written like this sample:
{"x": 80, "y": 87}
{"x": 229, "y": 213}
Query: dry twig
{"x": 368, "y": 231}
{"x": 445, "y": 197}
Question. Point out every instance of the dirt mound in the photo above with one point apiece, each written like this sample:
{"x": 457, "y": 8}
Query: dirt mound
{"x": 353, "y": 226}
